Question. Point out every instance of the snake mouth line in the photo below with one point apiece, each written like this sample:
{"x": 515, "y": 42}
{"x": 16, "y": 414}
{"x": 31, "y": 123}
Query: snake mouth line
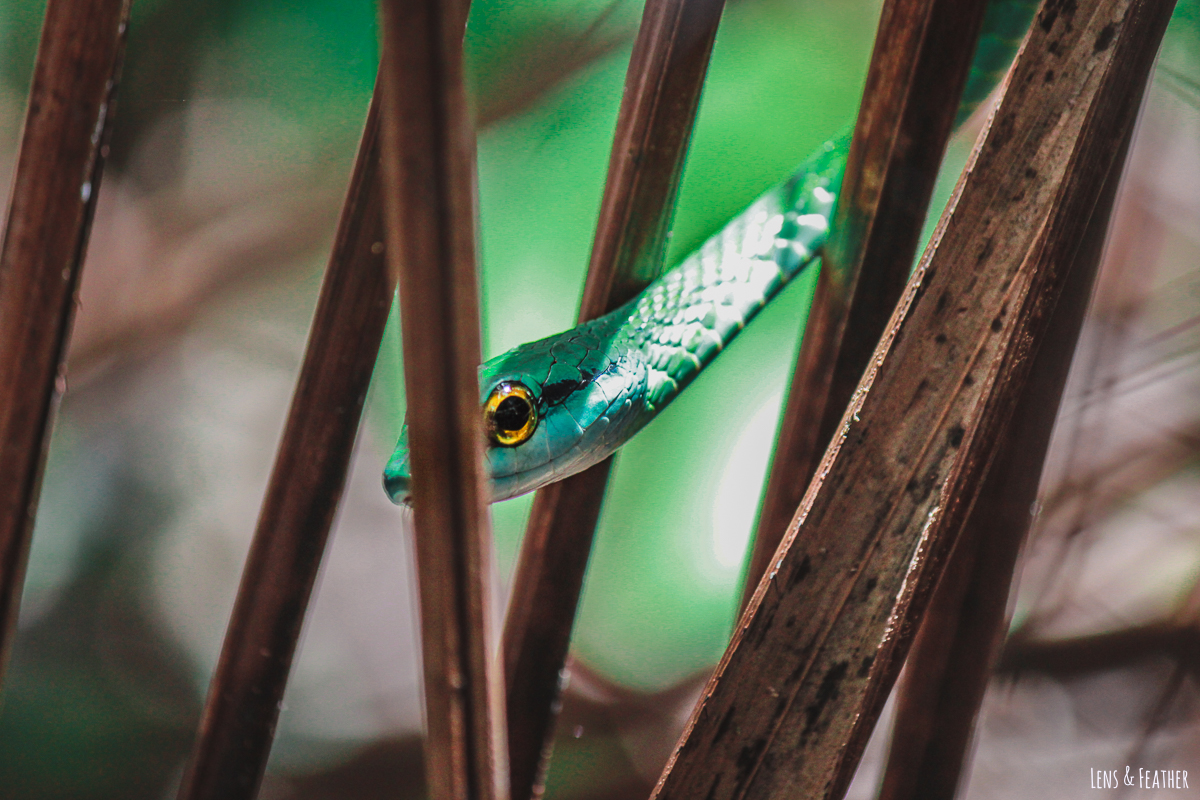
{"x": 398, "y": 487}
{"x": 513, "y": 484}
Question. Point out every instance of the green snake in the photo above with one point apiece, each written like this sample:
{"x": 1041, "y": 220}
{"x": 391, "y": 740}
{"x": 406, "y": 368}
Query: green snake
{"x": 557, "y": 406}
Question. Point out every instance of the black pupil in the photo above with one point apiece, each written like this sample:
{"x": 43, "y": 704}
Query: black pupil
{"x": 511, "y": 414}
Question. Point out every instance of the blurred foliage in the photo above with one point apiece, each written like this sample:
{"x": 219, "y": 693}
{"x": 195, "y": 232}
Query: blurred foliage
{"x": 77, "y": 722}
{"x": 664, "y": 578}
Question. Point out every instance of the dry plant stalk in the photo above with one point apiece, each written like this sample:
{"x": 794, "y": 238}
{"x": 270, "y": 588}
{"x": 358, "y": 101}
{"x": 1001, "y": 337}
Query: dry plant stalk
{"x": 53, "y": 197}
{"x": 960, "y": 637}
{"x": 798, "y": 691}
{"x": 919, "y": 65}
{"x": 238, "y": 725}
{"x": 428, "y": 147}
{"x": 662, "y": 93}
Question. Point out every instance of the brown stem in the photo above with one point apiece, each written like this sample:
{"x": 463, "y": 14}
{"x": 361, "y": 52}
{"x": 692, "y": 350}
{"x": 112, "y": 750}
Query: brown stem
{"x": 662, "y": 92}
{"x": 918, "y": 69}
{"x": 428, "y": 147}
{"x": 1082, "y": 655}
{"x": 238, "y": 724}
{"x": 54, "y": 190}
{"x": 964, "y": 627}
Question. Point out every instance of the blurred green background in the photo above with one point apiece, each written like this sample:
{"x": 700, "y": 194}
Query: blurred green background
{"x": 237, "y": 122}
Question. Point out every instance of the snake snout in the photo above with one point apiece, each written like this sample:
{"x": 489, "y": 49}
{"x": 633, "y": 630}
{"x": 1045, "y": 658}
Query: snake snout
{"x": 397, "y": 486}
{"x": 397, "y": 476}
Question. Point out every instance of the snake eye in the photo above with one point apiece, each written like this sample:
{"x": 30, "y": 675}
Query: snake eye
{"x": 510, "y": 414}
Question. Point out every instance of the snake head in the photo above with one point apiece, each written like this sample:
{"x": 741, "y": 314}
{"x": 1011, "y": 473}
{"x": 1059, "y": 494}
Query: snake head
{"x": 550, "y": 408}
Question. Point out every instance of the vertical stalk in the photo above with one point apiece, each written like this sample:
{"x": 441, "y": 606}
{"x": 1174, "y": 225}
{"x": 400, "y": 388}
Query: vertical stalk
{"x": 238, "y": 725}
{"x": 53, "y": 197}
{"x": 428, "y": 147}
{"x": 662, "y": 93}
{"x": 919, "y": 66}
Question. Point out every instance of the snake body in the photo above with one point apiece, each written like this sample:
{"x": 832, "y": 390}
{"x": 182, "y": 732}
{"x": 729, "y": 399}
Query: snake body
{"x": 561, "y": 404}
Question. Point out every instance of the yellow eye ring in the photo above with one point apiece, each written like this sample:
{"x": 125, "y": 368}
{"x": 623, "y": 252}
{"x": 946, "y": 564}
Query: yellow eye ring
{"x": 510, "y": 414}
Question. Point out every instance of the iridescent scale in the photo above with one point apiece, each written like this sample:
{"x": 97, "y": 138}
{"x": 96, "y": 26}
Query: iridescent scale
{"x": 685, "y": 318}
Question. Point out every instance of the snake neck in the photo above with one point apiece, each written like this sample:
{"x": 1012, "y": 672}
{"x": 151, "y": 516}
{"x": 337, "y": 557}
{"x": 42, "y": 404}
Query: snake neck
{"x": 685, "y": 318}
{"x": 679, "y": 323}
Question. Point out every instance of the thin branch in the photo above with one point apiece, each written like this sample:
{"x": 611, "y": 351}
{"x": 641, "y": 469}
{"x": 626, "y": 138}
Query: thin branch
{"x": 1177, "y": 637}
{"x": 55, "y": 185}
{"x": 1082, "y": 655}
{"x": 1134, "y": 470}
{"x": 239, "y": 719}
{"x": 662, "y": 92}
{"x": 802, "y": 684}
{"x": 428, "y": 147}
{"x": 919, "y": 66}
